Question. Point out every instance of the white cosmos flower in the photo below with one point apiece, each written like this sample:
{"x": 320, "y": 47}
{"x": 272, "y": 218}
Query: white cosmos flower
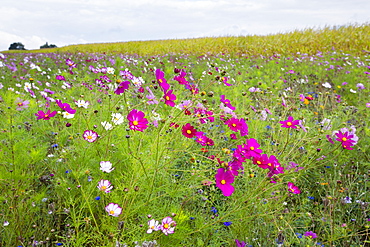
{"x": 82, "y": 103}
{"x": 352, "y": 91}
{"x": 106, "y": 166}
{"x": 110, "y": 70}
{"x": 68, "y": 115}
{"x": 153, "y": 226}
{"x": 105, "y": 186}
{"x": 113, "y": 209}
{"x": 327, "y": 85}
{"x": 107, "y": 125}
{"x": 117, "y": 118}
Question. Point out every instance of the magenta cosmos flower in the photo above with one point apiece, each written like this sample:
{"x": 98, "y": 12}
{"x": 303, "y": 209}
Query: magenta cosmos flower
{"x": 122, "y": 87}
{"x": 224, "y": 179}
{"x": 234, "y": 124}
{"x": 293, "y": 189}
{"x": 227, "y": 102}
{"x": 347, "y": 138}
{"x": 169, "y": 98}
{"x": 290, "y": 123}
{"x": 113, "y": 209}
{"x": 188, "y": 130}
{"x": 161, "y": 80}
{"x": 137, "y": 121}
{"x": 65, "y": 107}
{"x": 45, "y": 115}
{"x": 168, "y": 225}
{"x": 90, "y": 135}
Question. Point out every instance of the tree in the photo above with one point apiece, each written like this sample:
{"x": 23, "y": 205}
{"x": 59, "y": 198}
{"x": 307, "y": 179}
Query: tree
{"x": 17, "y": 46}
{"x": 48, "y": 46}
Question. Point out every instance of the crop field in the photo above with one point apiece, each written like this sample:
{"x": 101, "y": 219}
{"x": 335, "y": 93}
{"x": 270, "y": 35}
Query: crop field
{"x": 112, "y": 145}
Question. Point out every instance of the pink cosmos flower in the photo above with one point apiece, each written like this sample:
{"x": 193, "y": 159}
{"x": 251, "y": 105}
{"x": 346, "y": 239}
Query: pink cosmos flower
{"x": 234, "y": 124}
{"x": 293, "y": 189}
{"x": 290, "y": 123}
{"x": 45, "y": 116}
{"x": 201, "y": 138}
{"x": 181, "y": 78}
{"x": 169, "y": 98}
{"x": 224, "y": 179}
{"x": 168, "y": 225}
{"x": 226, "y": 102}
{"x": 113, "y": 209}
{"x": 188, "y": 130}
{"x": 21, "y": 104}
{"x": 234, "y": 166}
{"x": 137, "y": 121}
{"x": 161, "y": 80}
{"x": 105, "y": 186}
{"x": 65, "y": 107}
{"x": 248, "y": 150}
{"x": 90, "y": 135}
{"x": 122, "y": 87}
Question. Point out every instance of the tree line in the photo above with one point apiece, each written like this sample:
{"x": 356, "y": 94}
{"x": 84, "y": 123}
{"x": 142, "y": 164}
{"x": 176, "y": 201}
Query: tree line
{"x": 20, "y": 46}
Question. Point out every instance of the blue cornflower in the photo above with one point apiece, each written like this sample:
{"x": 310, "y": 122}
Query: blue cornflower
{"x": 227, "y": 223}
{"x": 214, "y": 210}
{"x": 97, "y": 198}
{"x": 311, "y": 197}
{"x": 299, "y": 235}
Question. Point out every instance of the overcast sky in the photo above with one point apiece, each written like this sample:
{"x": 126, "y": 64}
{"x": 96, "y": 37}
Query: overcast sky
{"x": 65, "y": 22}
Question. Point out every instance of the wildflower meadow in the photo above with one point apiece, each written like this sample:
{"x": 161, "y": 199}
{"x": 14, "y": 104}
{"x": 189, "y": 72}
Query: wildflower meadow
{"x": 111, "y": 149}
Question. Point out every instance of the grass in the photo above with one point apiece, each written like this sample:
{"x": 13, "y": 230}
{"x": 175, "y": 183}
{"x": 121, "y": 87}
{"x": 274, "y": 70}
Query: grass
{"x": 50, "y": 169}
{"x": 354, "y": 38}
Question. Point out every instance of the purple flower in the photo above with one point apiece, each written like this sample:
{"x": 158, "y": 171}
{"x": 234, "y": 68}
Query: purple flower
{"x": 310, "y": 234}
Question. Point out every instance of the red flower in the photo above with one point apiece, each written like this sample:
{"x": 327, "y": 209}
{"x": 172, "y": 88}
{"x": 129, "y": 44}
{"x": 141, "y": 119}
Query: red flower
{"x": 137, "y": 121}
{"x": 188, "y": 131}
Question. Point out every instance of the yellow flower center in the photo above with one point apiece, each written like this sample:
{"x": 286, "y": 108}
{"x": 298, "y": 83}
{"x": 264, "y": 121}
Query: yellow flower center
{"x": 188, "y": 131}
{"x": 46, "y": 115}
{"x": 111, "y": 212}
{"x": 167, "y": 98}
{"x": 103, "y": 188}
{"x": 20, "y": 103}
{"x": 234, "y": 125}
{"x": 289, "y": 123}
{"x": 89, "y": 137}
{"x": 251, "y": 148}
{"x": 269, "y": 164}
{"x": 223, "y": 181}
{"x": 135, "y": 122}
{"x": 344, "y": 139}
{"x": 259, "y": 162}
{"x": 160, "y": 80}
{"x": 166, "y": 226}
